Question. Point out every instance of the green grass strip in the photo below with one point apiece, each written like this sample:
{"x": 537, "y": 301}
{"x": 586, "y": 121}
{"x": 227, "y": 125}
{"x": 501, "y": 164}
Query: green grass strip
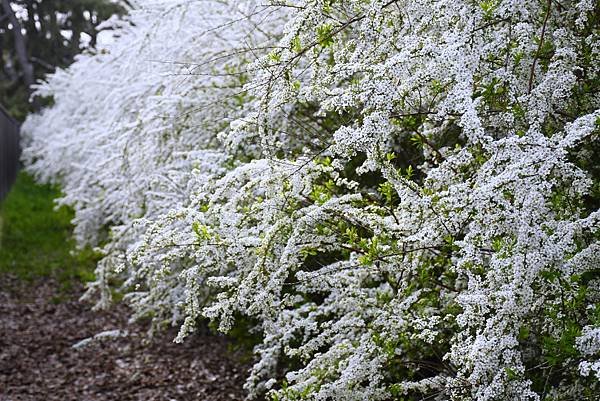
{"x": 35, "y": 239}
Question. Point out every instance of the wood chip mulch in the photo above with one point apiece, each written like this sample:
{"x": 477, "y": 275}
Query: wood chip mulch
{"x": 38, "y": 361}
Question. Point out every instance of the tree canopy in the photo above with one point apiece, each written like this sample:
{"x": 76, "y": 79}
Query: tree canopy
{"x": 50, "y": 34}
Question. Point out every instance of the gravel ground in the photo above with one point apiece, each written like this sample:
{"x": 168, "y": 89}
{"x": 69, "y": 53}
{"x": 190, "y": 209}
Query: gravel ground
{"x": 38, "y": 361}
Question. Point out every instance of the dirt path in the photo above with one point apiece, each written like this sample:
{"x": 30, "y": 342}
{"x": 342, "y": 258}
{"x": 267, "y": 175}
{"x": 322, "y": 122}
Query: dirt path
{"x": 38, "y": 362}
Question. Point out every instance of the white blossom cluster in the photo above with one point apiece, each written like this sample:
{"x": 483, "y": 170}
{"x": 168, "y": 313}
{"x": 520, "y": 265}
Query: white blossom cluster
{"x": 401, "y": 196}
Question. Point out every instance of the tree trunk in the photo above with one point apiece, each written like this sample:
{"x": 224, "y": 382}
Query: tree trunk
{"x": 21, "y": 49}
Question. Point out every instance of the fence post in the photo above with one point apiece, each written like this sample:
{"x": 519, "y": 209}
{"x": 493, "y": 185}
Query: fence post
{"x": 9, "y": 151}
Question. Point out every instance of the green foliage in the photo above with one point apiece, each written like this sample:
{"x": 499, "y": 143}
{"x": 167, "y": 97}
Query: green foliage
{"x": 36, "y": 240}
{"x": 245, "y": 337}
{"x": 488, "y": 7}
{"x": 325, "y": 35}
{"x": 201, "y": 231}
{"x": 297, "y": 44}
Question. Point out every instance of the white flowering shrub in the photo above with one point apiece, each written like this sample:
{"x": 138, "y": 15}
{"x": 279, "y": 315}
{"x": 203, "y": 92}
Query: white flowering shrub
{"x": 134, "y": 124}
{"x": 403, "y": 196}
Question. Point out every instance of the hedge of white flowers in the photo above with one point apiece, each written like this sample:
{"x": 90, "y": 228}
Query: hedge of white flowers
{"x": 402, "y": 197}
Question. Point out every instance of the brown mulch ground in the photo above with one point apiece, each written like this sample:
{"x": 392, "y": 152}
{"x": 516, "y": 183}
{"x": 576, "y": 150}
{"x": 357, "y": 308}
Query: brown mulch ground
{"x": 38, "y": 362}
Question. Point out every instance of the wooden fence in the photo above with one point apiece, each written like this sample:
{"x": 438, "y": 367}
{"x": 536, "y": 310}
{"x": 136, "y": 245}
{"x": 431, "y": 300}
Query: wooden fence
{"x": 9, "y": 151}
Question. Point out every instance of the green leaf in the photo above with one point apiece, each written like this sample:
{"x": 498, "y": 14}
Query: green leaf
{"x": 325, "y": 35}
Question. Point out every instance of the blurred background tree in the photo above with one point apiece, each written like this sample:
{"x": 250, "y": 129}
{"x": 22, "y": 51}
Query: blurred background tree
{"x": 37, "y": 36}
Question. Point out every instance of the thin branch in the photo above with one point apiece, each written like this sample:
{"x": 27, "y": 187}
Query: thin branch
{"x": 539, "y": 49}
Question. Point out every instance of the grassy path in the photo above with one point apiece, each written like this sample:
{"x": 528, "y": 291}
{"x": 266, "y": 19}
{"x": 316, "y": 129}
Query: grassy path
{"x": 41, "y": 280}
{"x": 35, "y": 239}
